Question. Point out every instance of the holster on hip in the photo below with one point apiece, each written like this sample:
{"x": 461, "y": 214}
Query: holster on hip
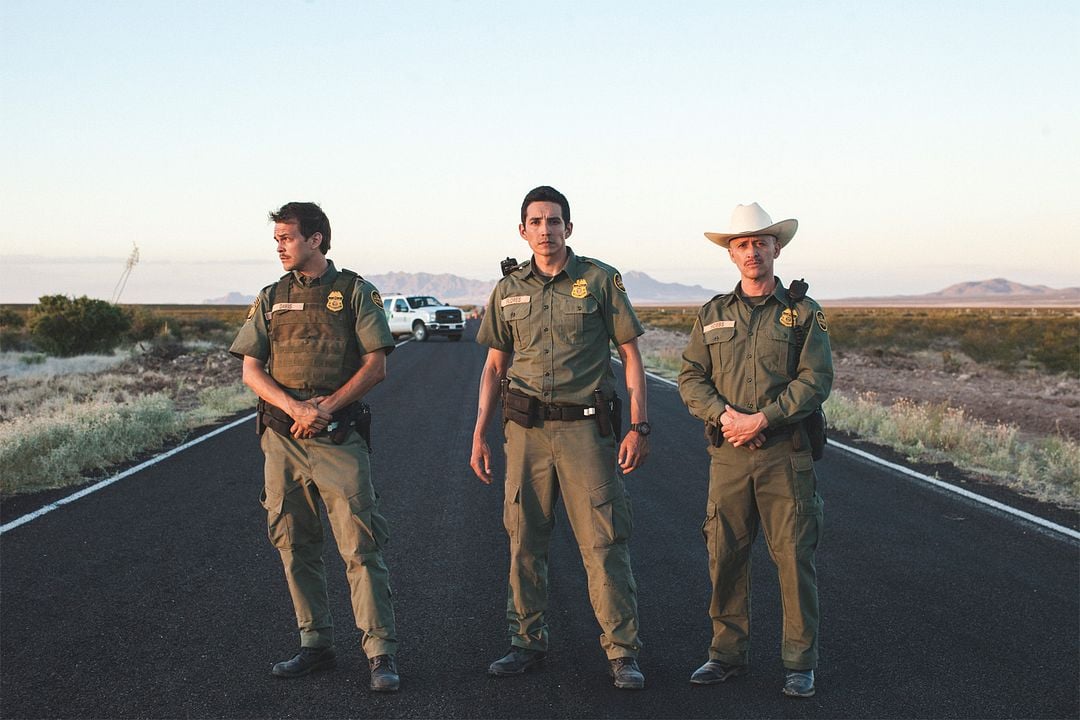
{"x": 360, "y": 415}
{"x": 817, "y": 429}
{"x": 714, "y": 434}
{"x": 608, "y": 414}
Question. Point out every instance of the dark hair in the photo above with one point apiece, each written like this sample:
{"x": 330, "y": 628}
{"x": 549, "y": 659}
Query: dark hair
{"x": 309, "y": 217}
{"x": 546, "y": 193}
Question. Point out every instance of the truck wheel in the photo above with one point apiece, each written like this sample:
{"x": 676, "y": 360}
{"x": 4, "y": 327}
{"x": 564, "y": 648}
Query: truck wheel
{"x": 419, "y": 331}
{"x": 454, "y": 338}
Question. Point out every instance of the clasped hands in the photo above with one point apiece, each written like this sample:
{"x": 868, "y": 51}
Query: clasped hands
{"x": 308, "y": 418}
{"x": 741, "y": 428}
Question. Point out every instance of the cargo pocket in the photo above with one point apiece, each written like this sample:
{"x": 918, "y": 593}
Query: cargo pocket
{"x": 365, "y": 536}
{"x": 277, "y": 523}
{"x": 809, "y": 518}
{"x": 612, "y": 522}
{"x": 709, "y": 529}
{"x": 512, "y": 511}
{"x": 803, "y": 479}
{"x": 720, "y": 347}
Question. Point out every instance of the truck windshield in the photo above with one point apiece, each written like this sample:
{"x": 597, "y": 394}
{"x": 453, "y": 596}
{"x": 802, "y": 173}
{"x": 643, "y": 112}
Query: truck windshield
{"x": 420, "y": 301}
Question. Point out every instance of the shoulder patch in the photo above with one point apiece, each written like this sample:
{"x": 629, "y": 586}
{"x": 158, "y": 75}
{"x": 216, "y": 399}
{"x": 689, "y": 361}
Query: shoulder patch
{"x": 619, "y": 283}
{"x": 376, "y": 298}
{"x": 820, "y": 317}
{"x": 253, "y": 309}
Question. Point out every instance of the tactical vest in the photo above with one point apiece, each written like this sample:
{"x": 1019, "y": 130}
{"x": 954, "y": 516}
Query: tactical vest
{"x": 313, "y": 333}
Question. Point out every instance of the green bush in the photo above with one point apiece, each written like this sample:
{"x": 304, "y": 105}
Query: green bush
{"x": 147, "y": 324}
{"x": 11, "y": 319}
{"x": 65, "y": 327}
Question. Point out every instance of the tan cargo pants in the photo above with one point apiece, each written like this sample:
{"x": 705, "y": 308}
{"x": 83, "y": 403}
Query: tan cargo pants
{"x": 776, "y": 488}
{"x": 298, "y": 474}
{"x": 568, "y": 458}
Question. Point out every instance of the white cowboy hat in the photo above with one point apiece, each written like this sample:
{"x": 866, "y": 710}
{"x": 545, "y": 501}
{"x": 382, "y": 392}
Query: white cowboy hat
{"x": 753, "y": 220}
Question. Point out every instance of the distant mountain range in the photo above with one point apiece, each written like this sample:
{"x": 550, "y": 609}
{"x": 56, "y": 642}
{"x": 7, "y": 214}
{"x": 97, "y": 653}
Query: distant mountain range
{"x": 645, "y": 290}
{"x": 456, "y": 290}
{"x": 996, "y": 291}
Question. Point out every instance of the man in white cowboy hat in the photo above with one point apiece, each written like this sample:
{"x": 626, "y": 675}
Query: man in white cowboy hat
{"x": 757, "y": 365}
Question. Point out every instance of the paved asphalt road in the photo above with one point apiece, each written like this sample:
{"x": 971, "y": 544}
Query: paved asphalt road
{"x": 160, "y": 595}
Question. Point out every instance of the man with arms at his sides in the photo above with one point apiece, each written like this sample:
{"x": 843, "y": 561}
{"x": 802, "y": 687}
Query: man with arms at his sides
{"x": 757, "y": 364}
{"x": 548, "y": 325}
{"x": 313, "y": 345}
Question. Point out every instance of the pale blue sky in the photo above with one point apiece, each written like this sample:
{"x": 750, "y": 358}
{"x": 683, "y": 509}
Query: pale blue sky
{"x": 918, "y": 143}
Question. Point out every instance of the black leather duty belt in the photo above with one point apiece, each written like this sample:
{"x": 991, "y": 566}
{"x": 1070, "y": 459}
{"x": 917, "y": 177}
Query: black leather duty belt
{"x": 781, "y": 431}
{"x": 566, "y": 412}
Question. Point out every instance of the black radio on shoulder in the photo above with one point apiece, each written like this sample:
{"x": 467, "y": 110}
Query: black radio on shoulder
{"x": 508, "y": 266}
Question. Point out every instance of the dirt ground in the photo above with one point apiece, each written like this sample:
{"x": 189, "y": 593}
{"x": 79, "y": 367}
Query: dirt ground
{"x": 1035, "y": 403}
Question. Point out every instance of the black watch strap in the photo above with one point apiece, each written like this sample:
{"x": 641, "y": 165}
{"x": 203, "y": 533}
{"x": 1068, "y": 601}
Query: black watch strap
{"x": 642, "y": 428}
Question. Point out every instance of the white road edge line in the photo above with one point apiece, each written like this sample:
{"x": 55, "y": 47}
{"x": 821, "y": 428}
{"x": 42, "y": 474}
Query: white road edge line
{"x": 130, "y": 471}
{"x": 1042, "y": 522}
{"x": 120, "y": 476}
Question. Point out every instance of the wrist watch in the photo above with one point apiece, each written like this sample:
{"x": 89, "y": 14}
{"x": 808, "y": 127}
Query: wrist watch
{"x": 641, "y": 428}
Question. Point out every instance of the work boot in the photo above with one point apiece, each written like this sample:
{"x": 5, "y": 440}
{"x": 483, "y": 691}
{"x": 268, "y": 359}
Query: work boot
{"x": 516, "y": 662}
{"x": 715, "y": 671}
{"x": 306, "y": 661}
{"x": 627, "y": 674}
{"x": 799, "y": 683}
{"x": 384, "y": 674}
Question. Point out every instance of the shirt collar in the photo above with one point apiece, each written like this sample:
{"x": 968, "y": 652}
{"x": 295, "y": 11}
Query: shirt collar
{"x": 326, "y": 278}
{"x": 573, "y": 267}
{"x": 779, "y": 292}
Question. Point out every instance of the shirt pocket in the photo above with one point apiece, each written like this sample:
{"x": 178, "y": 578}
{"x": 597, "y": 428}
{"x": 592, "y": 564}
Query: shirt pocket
{"x": 720, "y": 342}
{"x": 519, "y": 317}
{"x": 780, "y": 348}
{"x": 576, "y": 320}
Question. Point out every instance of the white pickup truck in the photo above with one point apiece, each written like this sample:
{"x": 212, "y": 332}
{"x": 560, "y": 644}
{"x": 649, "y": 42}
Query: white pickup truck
{"x": 422, "y": 315}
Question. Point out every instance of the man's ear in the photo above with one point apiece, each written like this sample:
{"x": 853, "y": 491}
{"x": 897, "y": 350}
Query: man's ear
{"x": 569, "y": 229}
{"x": 316, "y": 238}
{"x": 521, "y": 232}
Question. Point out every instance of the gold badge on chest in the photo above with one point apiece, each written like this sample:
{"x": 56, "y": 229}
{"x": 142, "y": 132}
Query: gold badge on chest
{"x": 789, "y": 317}
{"x": 580, "y": 289}
{"x": 335, "y": 302}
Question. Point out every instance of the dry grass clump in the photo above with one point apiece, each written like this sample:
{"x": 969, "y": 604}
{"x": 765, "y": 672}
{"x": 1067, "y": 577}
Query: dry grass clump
{"x": 56, "y": 449}
{"x": 1047, "y": 468}
{"x": 56, "y": 428}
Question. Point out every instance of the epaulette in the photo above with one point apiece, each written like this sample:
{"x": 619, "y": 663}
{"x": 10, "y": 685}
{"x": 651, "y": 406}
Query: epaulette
{"x": 598, "y": 263}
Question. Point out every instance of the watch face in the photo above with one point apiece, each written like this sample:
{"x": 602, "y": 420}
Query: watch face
{"x": 642, "y": 428}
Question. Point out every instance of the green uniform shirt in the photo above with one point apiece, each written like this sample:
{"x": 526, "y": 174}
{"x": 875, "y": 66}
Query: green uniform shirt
{"x": 372, "y": 330}
{"x": 559, "y": 329}
{"x": 739, "y": 356}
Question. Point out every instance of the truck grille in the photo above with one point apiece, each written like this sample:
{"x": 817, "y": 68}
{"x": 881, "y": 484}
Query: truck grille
{"x": 448, "y": 316}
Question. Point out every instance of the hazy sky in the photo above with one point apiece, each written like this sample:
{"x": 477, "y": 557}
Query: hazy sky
{"x": 918, "y": 143}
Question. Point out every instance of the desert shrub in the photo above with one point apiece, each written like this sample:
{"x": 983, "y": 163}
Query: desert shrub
{"x": 147, "y": 324}
{"x": 64, "y": 326}
{"x": 11, "y": 319}
{"x": 14, "y": 335}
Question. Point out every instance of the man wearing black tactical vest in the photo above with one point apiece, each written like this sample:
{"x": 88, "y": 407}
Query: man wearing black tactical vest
{"x": 313, "y": 345}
